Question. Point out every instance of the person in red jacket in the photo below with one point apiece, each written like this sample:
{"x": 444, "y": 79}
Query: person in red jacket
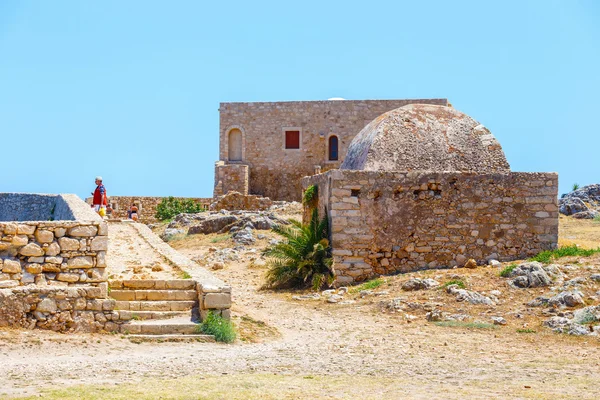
{"x": 100, "y": 200}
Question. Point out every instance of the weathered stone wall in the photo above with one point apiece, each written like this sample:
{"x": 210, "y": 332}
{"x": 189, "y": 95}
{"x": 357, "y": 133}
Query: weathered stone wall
{"x": 146, "y": 206}
{"x": 237, "y": 201}
{"x": 79, "y": 309}
{"x": 274, "y": 171}
{"x": 230, "y": 178}
{"x": 57, "y": 253}
{"x": 27, "y": 207}
{"x": 387, "y": 222}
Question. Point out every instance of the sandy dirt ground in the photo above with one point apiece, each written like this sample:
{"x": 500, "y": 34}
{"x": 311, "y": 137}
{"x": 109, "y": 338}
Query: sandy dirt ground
{"x": 360, "y": 344}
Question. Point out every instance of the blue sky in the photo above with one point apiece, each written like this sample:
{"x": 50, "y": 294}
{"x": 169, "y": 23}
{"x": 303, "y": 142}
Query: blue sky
{"x": 130, "y": 90}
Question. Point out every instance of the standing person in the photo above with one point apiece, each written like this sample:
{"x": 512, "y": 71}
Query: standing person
{"x": 100, "y": 200}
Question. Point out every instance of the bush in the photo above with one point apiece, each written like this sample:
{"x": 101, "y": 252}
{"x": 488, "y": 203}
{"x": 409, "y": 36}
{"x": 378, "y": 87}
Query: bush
{"x": 170, "y": 207}
{"x": 372, "y": 284}
{"x": 456, "y": 282}
{"x": 222, "y": 329}
{"x": 566, "y": 251}
{"x": 505, "y": 273}
{"x": 304, "y": 258}
{"x": 575, "y": 186}
{"x": 310, "y": 195}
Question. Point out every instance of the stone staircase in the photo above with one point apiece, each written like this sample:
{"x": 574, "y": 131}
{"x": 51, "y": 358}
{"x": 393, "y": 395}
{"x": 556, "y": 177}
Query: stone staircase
{"x": 157, "y": 310}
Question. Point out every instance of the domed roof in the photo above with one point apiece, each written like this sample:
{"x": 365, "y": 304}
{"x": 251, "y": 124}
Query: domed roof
{"x": 422, "y": 137}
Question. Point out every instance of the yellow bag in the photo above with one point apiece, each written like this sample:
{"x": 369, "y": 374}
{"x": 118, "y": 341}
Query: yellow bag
{"x": 102, "y": 211}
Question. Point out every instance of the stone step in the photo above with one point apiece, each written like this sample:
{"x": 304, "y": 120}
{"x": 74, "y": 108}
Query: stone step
{"x": 153, "y": 295}
{"x": 153, "y": 284}
{"x": 126, "y": 315}
{"x": 171, "y": 338}
{"x": 181, "y": 326}
{"x": 156, "y": 305}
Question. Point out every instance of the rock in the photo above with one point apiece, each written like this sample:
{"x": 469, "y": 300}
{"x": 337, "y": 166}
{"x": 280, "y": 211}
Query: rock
{"x": 434, "y": 315}
{"x": 570, "y": 206}
{"x": 554, "y": 271}
{"x": 217, "y": 265}
{"x": 587, "y": 315}
{"x": 419, "y": 284}
{"x": 83, "y": 231}
{"x": 334, "y": 298}
{"x": 313, "y": 296}
{"x": 586, "y": 214}
{"x": 47, "y": 305}
{"x": 212, "y": 224}
{"x": 471, "y": 263}
{"x": 499, "y": 321}
{"x": 11, "y": 266}
{"x": 575, "y": 202}
{"x": 565, "y": 325}
{"x": 31, "y": 250}
{"x": 469, "y": 295}
{"x": 496, "y": 293}
{"x": 494, "y": 263}
{"x": 343, "y": 290}
{"x": 567, "y": 298}
{"x": 243, "y": 236}
{"x": 328, "y": 292}
{"x": 44, "y": 236}
{"x": 595, "y": 277}
{"x": 170, "y": 233}
{"x": 530, "y": 274}
{"x": 575, "y": 281}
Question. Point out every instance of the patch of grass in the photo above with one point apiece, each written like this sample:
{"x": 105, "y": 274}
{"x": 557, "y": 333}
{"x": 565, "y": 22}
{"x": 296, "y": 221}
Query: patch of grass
{"x": 457, "y": 282}
{"x": 222, "y": 329}
{"x": 372, "y": 284}
{"x": 185, "y": 275}
{"x": 463, "y": 324}
{"x": 505, "y": 273}
{"x": 135, "y": 317}
{"x": 220, "y": 238}
{"x": 575, "y": 186}
{"x": 566, "y": 251}
{"x": 526, "y": 331}
{"x": 597, "y": 218}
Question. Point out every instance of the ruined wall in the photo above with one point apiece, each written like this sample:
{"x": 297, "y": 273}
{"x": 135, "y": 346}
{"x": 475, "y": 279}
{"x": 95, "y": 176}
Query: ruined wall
{"x": 231, "y": 178}
{"x": 386, "y": 222}
{"x": 274, "y": 171}
{"x": 146, "y": 206}
{"x": 237, "y": 201}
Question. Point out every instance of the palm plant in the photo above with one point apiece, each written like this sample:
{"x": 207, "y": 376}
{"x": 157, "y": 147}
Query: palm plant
{"x": 304, "y": 258}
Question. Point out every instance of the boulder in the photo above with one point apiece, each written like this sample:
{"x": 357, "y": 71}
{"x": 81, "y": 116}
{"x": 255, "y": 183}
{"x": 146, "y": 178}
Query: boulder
{"x": 586, "y": 214}
{"x": 212, "y": 224}
{"x": 570, "y": 206}
{"x": 530, "y": 274}
{"x": 419, "y": 284}
{"x": 469, "y": 295}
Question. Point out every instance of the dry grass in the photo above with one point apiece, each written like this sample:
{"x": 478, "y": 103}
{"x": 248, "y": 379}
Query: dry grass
{"x": 582, "y": 232}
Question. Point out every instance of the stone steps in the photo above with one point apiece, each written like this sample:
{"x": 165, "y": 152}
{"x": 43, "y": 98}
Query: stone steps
{"x": 156, "y": 305}
{"x": 126, "y": 315}
{"x": 180, "y": 325}
{"x": 152, "y": 284}
{"x": 171, "y": 338}
{"x": 153, "y": 295}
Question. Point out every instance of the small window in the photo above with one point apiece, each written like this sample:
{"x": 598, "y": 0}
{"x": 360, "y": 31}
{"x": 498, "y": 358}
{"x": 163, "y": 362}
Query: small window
{"x": 292, "y": 139}
{"x": 333, "y": 148}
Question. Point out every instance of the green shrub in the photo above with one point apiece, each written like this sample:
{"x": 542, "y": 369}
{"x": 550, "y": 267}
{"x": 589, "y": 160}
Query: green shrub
{"x": 304, "y": 258}
{"x": 222, "y": 329}
{"x": 505, "y": 273}
{"x": 526, "y": 331}
{"x": 170, "y": 207}
{"x": 372, "y": 284}
{"x": 597, "y": 218}
{"x": 310, "y": 195}
{"x": 548, "y": 255}
{"x": 457, "y": 282}
{"x": 575, "y": 186}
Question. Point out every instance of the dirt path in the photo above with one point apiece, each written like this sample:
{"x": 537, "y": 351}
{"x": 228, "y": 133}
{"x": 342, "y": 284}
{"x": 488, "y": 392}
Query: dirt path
{"x": 382, "y": 355}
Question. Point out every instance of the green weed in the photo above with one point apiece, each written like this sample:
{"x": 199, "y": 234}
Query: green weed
{"x": 457, "y": 282}
{"x": 222, "y": 329}
{"x": 372, "y": 284}
{"x": 185, "y": 275}
{"x": 566, "y": 251}
{"x": 505, "y": 273}
{"x": 220, "y": 238}
{"x": 526, "y": 331}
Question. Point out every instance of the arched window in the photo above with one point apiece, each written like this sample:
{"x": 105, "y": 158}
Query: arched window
{"x": 333, "y": 148}
{"x": 235, "y": 145}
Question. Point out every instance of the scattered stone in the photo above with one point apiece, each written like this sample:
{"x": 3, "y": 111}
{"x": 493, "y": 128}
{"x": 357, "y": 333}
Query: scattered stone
{"x": 434, "y": 315}
{"x": 217, "y": 266}
{"x": 334, "y": 298}
{"x": 471, "y": 263}
{"x": 313, "y": 296}
{"x": 499, "y": 321}
{"x": 530, "y": 274}
{"x": 494, "y": 263}
{"x": 243, "y": 236}
{"x": 595, "y": 277}
{"x": 419, "y": 284}
{"x": 469, "y": 295}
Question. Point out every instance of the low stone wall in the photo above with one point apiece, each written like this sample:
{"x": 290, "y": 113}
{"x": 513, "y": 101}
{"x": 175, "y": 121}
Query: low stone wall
{"x": 57, "y": 253}
{"x": 230, "y": 178}
{"x": 237, "y": 201}
{"x": 384, "y": 222}
{"x": 79, "y": 309}
{"x": 146, "y": 206}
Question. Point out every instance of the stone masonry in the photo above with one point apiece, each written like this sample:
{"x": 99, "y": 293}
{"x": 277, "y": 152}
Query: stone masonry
{"x": 262, "y": 166}
{"x": 384, "y": 222}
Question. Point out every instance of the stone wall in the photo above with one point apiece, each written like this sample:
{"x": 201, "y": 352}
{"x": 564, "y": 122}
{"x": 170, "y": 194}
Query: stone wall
{"x": 146, "y": 206}
{"x": 57, "y": 253}
{"x": 230, "y": 178}
{"x": 387, "y": 222}
{"x": 79, "y": 309}
{"x": 274, "y": 171}
{"x": 236, "y": 201}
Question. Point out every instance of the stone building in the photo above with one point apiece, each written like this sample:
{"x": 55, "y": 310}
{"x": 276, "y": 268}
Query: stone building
{"x": 266, "y": 148}
{"x": 426, "y": 186}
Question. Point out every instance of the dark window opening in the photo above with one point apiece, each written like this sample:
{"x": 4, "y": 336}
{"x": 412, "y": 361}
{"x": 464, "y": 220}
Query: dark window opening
{"x": 292, "y": 139}
{"x": 333, "y": 148}
{"x": 354, "y": 192}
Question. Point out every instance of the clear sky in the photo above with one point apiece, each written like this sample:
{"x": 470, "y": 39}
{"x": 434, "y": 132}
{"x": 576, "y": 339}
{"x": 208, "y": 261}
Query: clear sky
{"x": 130, "y": 90}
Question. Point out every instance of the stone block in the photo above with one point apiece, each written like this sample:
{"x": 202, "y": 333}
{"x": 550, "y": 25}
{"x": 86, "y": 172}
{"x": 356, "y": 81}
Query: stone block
{"x": 26, "y": 229}
{"x": 216, "y": 300}
{"x": 33, "y": 268}
{"x": 44, "y": 236}
{"x": 53, "y": 249}
{"x": 83, "y": 231}
{"x": 31, "y": 250}
{"x": 19, "y": 240}
{"x": 11, "y": 266}
{"x": 46, "y": 267}
{"x": 60, "y": 232}
{"x": 80, "y": 262}
{"x": 10, "y": 229}
{"x": 47, "y": 305}
{"x": 103, "y": 229}
{"x": 67, "y": 277}
{"x": 99, "y": 243}
{"x": 68, "y": 244}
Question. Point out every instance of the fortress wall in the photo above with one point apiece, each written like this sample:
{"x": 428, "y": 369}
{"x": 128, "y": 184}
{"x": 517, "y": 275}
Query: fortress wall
{"x": 274, "y": 171}
{"x": 388, "y": 222}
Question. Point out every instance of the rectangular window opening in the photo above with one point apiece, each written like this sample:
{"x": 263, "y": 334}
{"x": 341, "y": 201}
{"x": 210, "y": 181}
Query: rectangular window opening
{"x": 292, "y": 139}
